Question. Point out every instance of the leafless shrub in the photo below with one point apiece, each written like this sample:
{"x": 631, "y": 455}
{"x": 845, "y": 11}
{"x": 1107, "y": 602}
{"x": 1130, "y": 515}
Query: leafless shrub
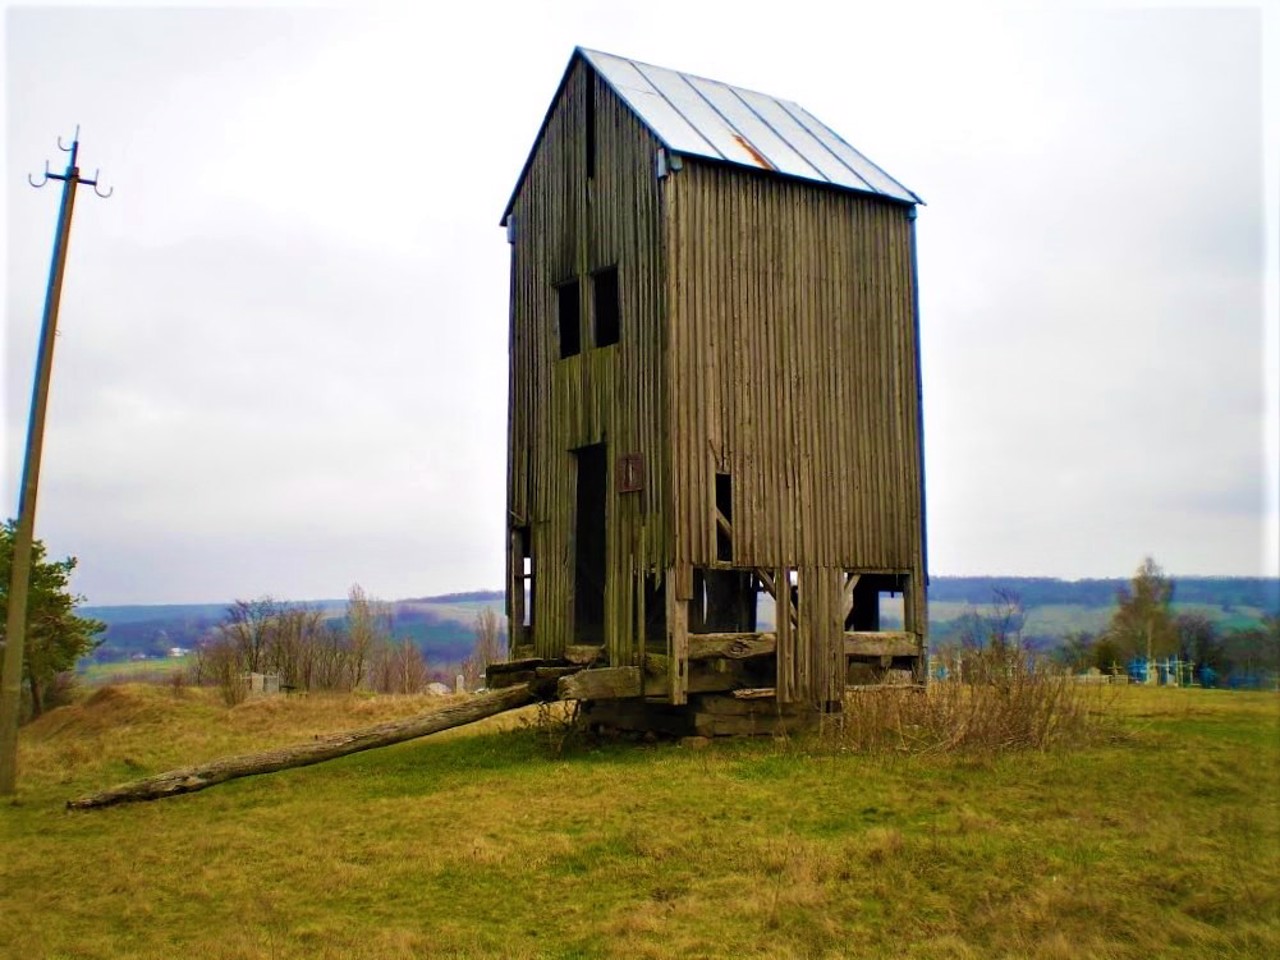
{"x": 1008, "y": 701}
{"x": 558, "y": 724}
{"x": 218, "y": 664}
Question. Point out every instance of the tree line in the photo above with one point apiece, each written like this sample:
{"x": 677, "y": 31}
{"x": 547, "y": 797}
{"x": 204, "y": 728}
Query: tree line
{"x": 1142, "y": 627}
{"x": 1227, "y": 592}
{"x": 308, "y": 651}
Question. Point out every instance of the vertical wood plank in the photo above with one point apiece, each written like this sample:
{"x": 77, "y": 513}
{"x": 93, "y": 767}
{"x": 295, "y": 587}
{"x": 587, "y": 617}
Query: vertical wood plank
{"x": 678, "y": 642}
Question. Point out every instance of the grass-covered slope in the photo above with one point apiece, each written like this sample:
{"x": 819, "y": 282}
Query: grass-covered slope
{"x": 1163, "y": 840}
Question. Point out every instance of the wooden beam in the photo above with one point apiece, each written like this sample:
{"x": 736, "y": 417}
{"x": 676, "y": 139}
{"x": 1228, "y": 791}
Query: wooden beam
{"x": 191, "y": 779}
{"x": 756, "y": 693}
{"x": 733, "y": 646}
{"x": 766, "y": 581}
{"x": 742, "y": 646}
{"x": 583, "y": 655}
{"x": 724, "y": 524}
{"x": 883, "y": 643}
{"x": 603, "y": 683}
{"x": 515, "y": 666}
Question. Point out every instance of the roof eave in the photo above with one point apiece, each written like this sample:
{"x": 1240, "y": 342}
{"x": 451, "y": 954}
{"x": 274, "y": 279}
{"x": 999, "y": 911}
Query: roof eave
{"x": 805, "y": 181}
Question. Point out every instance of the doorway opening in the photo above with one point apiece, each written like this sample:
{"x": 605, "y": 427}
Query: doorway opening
{"x": 589, "y": 544}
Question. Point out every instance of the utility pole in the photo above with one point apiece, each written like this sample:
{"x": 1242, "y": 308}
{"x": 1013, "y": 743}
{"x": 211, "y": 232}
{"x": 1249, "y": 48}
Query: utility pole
{"x": 20, "y": 575}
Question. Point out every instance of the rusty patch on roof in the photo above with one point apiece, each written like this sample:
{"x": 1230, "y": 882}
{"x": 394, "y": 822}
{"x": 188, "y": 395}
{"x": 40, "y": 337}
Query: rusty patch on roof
{"x": 755, "y": 154}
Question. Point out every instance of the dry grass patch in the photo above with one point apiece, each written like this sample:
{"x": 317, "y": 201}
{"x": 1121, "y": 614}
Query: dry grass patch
{"x": 1163, "y": 842}
{"x": 1010, "y": 703}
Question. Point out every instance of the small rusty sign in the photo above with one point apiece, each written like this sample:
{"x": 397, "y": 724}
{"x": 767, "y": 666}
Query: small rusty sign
{"x": 631, "y": 473}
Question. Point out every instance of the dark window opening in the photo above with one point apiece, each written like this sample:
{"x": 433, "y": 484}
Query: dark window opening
{"x": 607, "y": 309}
{"x": 724, "y": 517}
{"x": 655, "y": 612}
{"x": 589, "y": 545}
{"x": 567, "y": 311}
{"x": 590, "y": 132}
{"x": 724, "y": 601}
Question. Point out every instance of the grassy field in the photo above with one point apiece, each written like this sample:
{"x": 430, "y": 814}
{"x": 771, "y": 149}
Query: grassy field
{"x": 135, "y": 671}
{"x": 1161, "y": 838}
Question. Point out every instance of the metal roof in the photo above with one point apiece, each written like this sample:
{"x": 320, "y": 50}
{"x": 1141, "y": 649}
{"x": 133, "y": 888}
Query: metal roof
{"x": 698, "y": 117}
{"x": 706, "y": 118}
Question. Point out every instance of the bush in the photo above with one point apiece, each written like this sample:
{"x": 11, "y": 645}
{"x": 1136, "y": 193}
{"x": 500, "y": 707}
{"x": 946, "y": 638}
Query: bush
{"x": 218, "y": 664}
{"x": 1008, "y": 701}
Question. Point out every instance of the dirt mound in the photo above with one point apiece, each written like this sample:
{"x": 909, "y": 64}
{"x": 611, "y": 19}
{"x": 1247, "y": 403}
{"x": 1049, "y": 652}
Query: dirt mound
{"x": 106, "y": 696}
{"x": 106, "y": 708}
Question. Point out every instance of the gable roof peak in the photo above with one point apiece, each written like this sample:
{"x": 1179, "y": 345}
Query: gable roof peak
{"x": 698, "y": 117}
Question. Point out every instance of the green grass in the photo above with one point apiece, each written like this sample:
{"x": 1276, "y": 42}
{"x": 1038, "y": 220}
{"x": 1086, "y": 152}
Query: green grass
{"x": 127, "y": 671}
{"x": 1161, "y": 840}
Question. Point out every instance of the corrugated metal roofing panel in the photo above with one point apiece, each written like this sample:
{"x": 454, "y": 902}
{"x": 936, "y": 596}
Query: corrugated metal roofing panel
{"x": 875, "y": 176}
{"x": 658, "y": 114}
{"x": 826, "y": 162}
{"x": 736, "y": 115}
{"x": 706, "y": 118}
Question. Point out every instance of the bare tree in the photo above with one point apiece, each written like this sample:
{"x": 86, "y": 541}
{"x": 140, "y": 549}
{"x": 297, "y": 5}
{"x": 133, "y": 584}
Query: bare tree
{"x": 489, "y": 648}
{"x": 248, "y": 625}
{"x": 368, "y": 625}
{"x": 398, "y": 667}
{"x": 293, "y": 641}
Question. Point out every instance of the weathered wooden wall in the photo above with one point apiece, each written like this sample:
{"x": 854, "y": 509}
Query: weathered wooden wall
{"x": 567, "y": 225}
{"x": 794, "y": 370}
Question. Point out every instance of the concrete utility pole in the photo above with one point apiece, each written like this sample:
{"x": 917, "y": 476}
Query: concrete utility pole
{"x": 20, "y": 575}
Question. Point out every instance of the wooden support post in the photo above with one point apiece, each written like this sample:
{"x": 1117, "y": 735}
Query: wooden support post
{"x": 677, "y": 642}
{"x": 786, "y": 639}
{"x": 515, "y": 590}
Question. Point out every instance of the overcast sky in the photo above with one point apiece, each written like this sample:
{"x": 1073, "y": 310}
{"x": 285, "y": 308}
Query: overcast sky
{"x": 282, "y": 356}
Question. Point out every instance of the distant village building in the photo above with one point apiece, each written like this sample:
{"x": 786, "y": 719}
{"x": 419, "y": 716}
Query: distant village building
{"x": 714, "y": 393}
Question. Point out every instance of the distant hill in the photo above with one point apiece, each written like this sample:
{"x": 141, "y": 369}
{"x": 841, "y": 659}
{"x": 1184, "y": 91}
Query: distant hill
{"x": 442, "y": 625}
{"x": 1259, "y": 592}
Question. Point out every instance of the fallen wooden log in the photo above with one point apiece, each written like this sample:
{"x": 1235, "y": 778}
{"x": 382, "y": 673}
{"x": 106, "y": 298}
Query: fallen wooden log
{"x": 327, "y": 747}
